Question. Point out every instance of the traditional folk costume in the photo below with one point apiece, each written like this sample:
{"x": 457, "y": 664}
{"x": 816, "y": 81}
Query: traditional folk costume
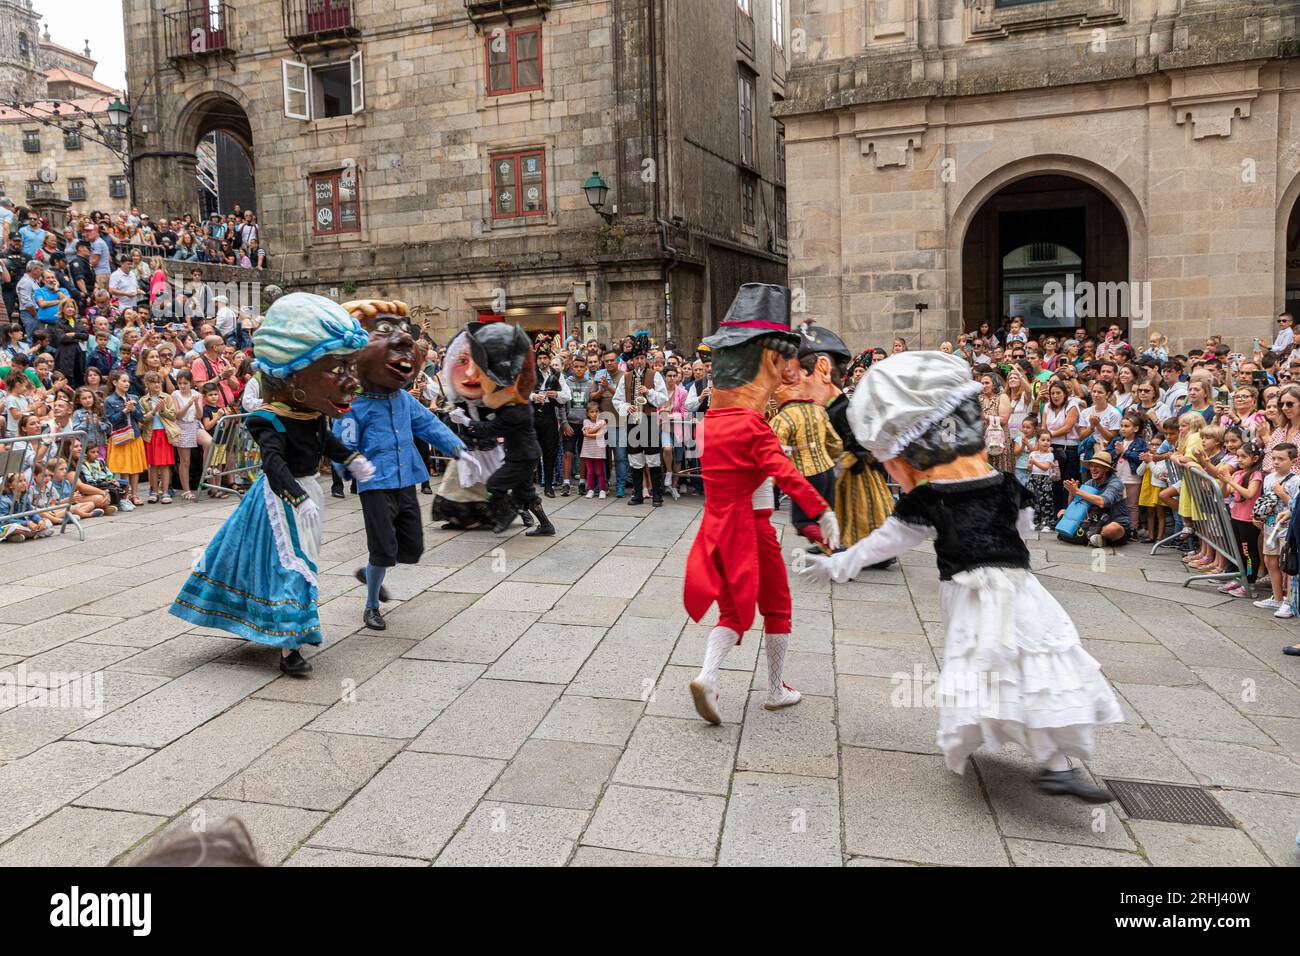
{"x": 803, "y": 426}
{"x": 862, "y": 497}
{"x": 462, "y": 508}
{"x": 503, "y": 362}
{"x": 257, "y": 577}
{"x": 1014, "y": 669}
{"x": 383, "y": 421}
{"x": 640, "y": 409}
{"x": 736, "y": 558}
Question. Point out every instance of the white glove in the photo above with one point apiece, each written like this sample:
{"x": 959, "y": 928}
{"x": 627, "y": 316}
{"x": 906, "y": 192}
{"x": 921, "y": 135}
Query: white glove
{"x": 470, "y": 471}
{"x": 308, "y": 514}
{"x": 458, "y": 416}
{"x": 815, "y": 568}
{"x": 361, "y": 469}
{"x": 830, "y": 528}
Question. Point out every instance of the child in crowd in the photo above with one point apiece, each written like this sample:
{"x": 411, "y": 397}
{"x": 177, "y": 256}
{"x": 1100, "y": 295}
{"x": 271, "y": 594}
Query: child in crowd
{"x": 1244, "y": 484}
{"x": 95, "y": 482}
{"x": 186, "y": 402}
{"x": 1043, "y": 471}
{"x": 14, "y": 501}
{"x": 1271, "y": 515}
{"x": 593, "y": 450}
{"x": 209, "y": 415}
{"x": 157, "y": 416}
{"x": 88, "y": 417}
{"x": 1026, "y": 445}
{"x": 1126, "y": 450}
{"x": 126, "y": 455}
{"x": 1157, "y": 463}
{"x": 1208, "y": 458}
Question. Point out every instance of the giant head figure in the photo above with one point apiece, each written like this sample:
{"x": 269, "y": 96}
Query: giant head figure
{"x": 502, "y": 363}
{"x": 754, "y": 348}
{"x": 391, "y": 358}
{"x": 304, "y": 351}
{"x": 919, "y": 414}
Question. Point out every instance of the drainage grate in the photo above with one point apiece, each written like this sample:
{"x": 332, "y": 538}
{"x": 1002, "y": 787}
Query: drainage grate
{"x": 1172, "y": 804}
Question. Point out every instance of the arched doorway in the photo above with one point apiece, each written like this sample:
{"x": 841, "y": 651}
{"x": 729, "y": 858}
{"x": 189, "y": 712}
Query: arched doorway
{"x": 218, "y": 130}
{"x": 1292, "y": 260}
{"x": 1031, "y": 247}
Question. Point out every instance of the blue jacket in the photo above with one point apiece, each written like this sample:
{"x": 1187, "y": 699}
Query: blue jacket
{"x": 381, "y": 425}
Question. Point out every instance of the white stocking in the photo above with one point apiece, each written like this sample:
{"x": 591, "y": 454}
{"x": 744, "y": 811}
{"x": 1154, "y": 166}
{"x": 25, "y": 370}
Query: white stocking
{"x": 776, "y": 645}
{"x": 1058, "y": 761}
{"x": 721, "y": 640}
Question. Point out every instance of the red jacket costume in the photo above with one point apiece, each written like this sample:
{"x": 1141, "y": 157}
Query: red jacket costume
{"x": 736, "y": 559}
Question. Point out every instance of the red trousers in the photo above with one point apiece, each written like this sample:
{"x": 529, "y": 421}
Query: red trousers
{"x": 773, "y": 587}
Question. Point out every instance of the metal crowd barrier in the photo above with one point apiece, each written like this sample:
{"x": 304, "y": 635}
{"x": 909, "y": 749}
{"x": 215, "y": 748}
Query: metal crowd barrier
{"x": 1212, "y": 523}
{"x": 14, "y": 461}
{"x": 232, "y": 454}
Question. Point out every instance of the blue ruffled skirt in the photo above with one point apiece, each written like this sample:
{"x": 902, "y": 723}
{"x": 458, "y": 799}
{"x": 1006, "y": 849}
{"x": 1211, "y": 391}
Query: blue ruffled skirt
{"x": 257, "y": 577}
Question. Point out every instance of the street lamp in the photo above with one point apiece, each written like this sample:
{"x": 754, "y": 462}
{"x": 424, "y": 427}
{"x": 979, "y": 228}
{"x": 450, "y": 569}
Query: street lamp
{"x": 597, "y": 190}
{"x": 118, "y": 113}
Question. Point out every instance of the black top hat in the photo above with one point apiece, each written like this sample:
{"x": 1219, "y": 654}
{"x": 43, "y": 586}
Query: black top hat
{"x": 822, "y": 341}
{"x": 499, "y": 350}
{"x": 758, "y": 310}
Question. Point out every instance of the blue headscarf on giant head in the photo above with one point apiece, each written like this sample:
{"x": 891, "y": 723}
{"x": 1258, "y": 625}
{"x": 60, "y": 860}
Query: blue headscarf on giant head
{"x": 300, "y": 328}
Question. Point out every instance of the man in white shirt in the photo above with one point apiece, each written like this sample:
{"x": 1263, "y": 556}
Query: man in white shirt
{"x": 227, "y": 321}
{"x": 1285, "y": 334}
{"x": 642, "y": 426}
{"x": 124, "y": 286}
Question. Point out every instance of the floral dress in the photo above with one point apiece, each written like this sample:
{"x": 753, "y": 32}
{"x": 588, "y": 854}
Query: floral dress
{"x": 1006, "y": 460}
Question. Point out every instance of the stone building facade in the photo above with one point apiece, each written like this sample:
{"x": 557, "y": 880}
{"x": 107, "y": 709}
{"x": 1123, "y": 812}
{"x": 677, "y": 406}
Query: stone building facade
{"x": 951, "y": 159}
{"x": 436, "y": 150}
{"x": 41, "y": 75}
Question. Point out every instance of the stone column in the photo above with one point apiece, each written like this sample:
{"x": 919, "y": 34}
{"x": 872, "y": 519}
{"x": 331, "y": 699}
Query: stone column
{"x": 50, "y": 207}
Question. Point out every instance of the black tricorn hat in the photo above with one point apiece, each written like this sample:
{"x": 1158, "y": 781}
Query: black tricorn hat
{"x": 758, "y": 310}
{"x": 499, "y": 350}
{"x": 818, "y": 340}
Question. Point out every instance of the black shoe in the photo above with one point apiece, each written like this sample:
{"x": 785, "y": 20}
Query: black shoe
{"x": 503, "y": 513}
{"x": 564, "y": 490}
{"x": 636, "y": 500}
{"x": 336, "y": 490}
{"x": 426, "y": 489}
{"x": 883, "y": 565}
{"x": 373, "y": 619}
{"x": 295, "y": 665}
{"x": 549, "y": 491}
{"x": 361, "y": 576}
{"x": 544, "y": 527}
{"x": 527, "y": 518}
{"x": 1292, "y": 649}
{"x": 1072, "y": 783}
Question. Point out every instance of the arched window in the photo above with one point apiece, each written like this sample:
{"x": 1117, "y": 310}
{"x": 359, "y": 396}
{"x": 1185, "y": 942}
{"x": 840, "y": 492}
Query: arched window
{"x": 22, "y": 45}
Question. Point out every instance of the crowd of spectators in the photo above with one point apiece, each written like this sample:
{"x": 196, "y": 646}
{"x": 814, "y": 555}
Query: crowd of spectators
{"x": 1125, "y": 426}
{"x": 101, "y": 341}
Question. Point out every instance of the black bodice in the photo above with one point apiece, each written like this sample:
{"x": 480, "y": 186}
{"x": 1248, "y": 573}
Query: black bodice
{"x": 974, "y": 521}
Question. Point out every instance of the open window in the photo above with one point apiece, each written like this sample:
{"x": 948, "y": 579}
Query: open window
{"x": 321, "y": 92}
{"x": 296, "y": 85}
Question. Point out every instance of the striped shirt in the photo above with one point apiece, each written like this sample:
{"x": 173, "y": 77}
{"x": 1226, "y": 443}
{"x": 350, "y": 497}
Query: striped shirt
{"x": 806, "y": 429}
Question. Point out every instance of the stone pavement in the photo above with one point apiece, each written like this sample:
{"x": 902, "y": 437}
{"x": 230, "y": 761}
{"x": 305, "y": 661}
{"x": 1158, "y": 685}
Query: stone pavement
{"x": 527, "y": 705}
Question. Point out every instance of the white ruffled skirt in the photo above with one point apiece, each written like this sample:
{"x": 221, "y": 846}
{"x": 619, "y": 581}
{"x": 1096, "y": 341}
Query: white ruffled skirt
{"x": 1015, "y": 671}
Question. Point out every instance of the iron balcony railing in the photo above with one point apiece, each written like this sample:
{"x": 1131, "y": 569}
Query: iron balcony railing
{"x": 311, "y": 21}
{"x": 200, "y": 29}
